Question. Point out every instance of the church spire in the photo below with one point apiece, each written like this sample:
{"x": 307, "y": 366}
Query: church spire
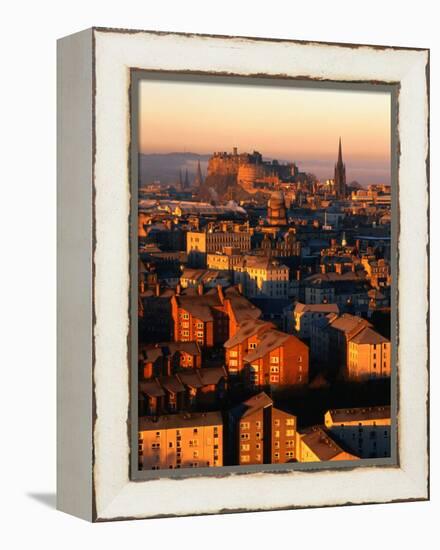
{"x": 340, "y": 152}
{"x": 186, "y": 183}
{"x": 199, "y": 178}
{"x": 340, "y": 180}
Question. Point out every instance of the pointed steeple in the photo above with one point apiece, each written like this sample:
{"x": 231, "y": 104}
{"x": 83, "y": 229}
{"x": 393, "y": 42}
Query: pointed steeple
{"x": 340, "y": 152}
{"x": 340, "y": 181}
{"x": 199, "y": 178}
{"x": 186, "y": 183}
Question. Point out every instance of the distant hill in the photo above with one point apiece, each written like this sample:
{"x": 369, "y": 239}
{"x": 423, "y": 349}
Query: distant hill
{"x": 165, "y": 166}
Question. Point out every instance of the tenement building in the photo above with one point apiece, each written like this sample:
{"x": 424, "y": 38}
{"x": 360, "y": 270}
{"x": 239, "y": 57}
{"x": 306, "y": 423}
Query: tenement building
{"x": 210, "y": 318}
{"x": 201, "y": 243}
{"x": 190, "y": 440}
{"x": 265, "y": 356}
{"x": 363, "y": 431}
{"x": 260, "y": 433}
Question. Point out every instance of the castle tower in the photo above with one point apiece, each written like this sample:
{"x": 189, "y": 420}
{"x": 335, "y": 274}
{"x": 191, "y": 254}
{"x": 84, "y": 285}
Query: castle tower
{"x": 340, "y": 181}
{"x": 198, "y": 182}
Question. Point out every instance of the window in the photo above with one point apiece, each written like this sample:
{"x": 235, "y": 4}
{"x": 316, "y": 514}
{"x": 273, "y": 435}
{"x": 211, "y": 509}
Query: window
{"x": 300, "y": 358}
{"x": 276, "y": 422}
{"x": 245, "y": 447}
{"x": 258, "y": 424}
{"x": 170, "y": 444}
{"x": 277, "y": 433}
{"x": 245, "y": 458}
{"x": 274, "y": 378}
{"x": 258, "y": 435}
{"x": 196, "y": 454}
{"x": 155, "y": 445}
{"x": 290, "y": 454}
{"x": 275, "y": 360}
{"x": 258, "y": 446}
{"x": 244, "y": 425}
{"x": 277, "y": 445}
{"x": 290, "y": 433}
{"x": 233, "y": 362}
{"x": 199, "y": 325}
{"x": 195, "y": 430}
{"x": 252, "y": 345}
{"x": 185, "y": 316}
{"x": 290, "y": 422}
{"x": 245, "y": 437}
{"x": 275, "y": 369}
{"x": 290, "y": 443}
{"x": 233, "y": 354}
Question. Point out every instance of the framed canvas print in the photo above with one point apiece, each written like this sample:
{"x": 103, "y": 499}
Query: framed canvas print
{"x": 242, "y": 274}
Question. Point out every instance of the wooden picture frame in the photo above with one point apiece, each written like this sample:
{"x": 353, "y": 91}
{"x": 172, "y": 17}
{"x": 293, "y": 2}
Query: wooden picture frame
{"x": 97, "y": 70}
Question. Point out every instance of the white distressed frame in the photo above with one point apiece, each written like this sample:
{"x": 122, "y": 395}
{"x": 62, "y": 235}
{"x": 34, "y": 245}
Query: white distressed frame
{"x": 115, "y": 496}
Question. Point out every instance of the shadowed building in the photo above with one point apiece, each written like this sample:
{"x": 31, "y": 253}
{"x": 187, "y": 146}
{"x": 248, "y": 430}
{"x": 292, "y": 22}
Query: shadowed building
{"x": 364, "y": 431}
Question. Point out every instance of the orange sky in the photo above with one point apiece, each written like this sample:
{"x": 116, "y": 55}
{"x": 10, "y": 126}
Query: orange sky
{"x": 286, "y": 123}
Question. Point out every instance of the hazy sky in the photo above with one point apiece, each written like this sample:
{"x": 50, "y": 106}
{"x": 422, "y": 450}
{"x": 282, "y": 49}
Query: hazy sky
{"x": 286, "y": 123}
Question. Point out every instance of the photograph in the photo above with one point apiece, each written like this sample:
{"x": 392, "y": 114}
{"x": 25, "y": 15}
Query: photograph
{"x": 265, "y": 264}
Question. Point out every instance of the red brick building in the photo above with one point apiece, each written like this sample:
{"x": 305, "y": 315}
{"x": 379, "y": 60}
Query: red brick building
{"x": 264, "y": 355}
{"x": 210, "y": 318}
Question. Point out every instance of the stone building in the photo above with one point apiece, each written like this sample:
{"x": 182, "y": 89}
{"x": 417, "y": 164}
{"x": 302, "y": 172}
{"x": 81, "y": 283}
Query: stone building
{"x": 262, "y": 277}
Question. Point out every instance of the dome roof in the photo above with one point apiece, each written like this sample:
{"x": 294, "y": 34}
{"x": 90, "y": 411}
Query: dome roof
{"x": 276, "y": 200}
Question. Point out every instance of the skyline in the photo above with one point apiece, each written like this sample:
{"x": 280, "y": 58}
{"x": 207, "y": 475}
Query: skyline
{"x": 285, "y": 123}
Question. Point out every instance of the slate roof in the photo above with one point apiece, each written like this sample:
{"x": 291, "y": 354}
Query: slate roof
{"x": 176, "y": 421}
{"x": 269, "y": 341}
{"x": 324, "y": 308}
{"x": 359, "y": 414}
{"x": 369, "y": 336}
{"x": 247, "y": 329}
{"x": 321, "y": 444}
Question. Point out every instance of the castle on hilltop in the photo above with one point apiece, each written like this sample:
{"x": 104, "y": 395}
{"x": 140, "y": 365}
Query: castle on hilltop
{"x": 250, "y": 170}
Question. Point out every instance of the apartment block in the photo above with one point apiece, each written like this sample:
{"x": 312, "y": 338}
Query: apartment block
{"x": 262, "y": 434}
{"x": 190, "y": 440}
{"x": 365, "y": 431}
